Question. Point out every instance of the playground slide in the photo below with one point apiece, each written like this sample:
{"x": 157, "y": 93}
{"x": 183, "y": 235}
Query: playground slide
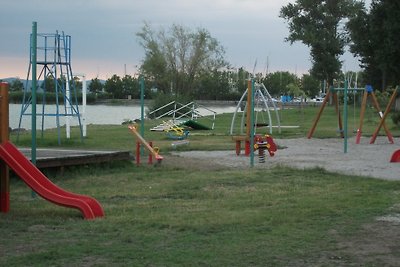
{"x": 143, "y": 142}
{"x": 35, "y": 179}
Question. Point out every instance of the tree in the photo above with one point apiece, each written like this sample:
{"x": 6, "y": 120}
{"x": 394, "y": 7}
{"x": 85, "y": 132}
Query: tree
{"x": 130, "y": 86}
{"x": 17, "y": 85}
{"x": 317, "y": 23}
{"x": 310, "y": 85}
{"x": 95, "y": 86}
{"x": 213, "y": 85}
{"x": 277, "y": 82}
{"x": 114, "y": 87}
{"x": 49, "y": 85}
{"x": 77, "y": 83}
{"x": 374, "y": 37}
{"x": 174, "y": 59}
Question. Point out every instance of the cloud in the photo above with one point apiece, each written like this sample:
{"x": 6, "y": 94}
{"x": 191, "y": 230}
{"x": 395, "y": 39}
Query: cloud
{"x": 103, "y": 31}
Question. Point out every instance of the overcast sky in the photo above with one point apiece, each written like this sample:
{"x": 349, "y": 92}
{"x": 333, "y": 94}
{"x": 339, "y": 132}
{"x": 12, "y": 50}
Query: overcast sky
{"x": 104, "y": 40}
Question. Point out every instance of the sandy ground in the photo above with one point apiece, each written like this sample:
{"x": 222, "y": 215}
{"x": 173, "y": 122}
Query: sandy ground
{"x": 372, "y": 160}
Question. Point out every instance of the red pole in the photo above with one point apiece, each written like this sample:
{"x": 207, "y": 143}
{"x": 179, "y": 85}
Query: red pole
{"x": 247, "y": 147}
{"x": 4, "y": 136}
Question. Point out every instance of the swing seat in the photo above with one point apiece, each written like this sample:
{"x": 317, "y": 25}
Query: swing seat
{"x": 395, "y": 156}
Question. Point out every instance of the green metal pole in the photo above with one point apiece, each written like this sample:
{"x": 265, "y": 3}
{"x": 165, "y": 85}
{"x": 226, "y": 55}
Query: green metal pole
{"x": 345, "y": 115}
{"x": 141, "y": 110}
{"x": 34, "y": 82}
{"x": 252, "y": 125}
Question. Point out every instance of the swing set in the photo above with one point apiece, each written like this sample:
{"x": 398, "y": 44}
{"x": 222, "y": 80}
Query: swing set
{"x": 368, "y": 92}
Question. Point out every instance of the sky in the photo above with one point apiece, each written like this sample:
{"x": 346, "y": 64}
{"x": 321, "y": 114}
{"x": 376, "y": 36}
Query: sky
{"x": 104, "y": 41}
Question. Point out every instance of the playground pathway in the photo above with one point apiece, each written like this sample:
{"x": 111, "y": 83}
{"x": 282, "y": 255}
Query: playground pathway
{"x": 371, "y": 160}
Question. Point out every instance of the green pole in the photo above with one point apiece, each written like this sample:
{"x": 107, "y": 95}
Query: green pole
{"x": 141, "y": 110}
{"x": 345, "y": 115}
{"x": 34, "y": 82}
{"x": 252, "y": 125}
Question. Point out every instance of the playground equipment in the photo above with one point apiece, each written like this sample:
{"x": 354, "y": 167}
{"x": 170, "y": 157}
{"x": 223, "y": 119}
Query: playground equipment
{"x": 263, "y": 143}
{"x": 332, "y": 91}
{"x": 370, "y": 92}
{"x": 181, "y": 113}
{"x": 262, "y": 100}
{"x": 396, "y": 156}
{"x": 141, "y": 141}
{"x": 383, "y": 117}
{"x": 257, "y": 98}
{"x": 53, "y": 53}
{"x": 32, "y": 176}
{"x": 175, "y": 131}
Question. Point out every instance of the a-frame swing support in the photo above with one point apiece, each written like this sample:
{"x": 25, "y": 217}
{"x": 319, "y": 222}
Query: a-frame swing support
{"x": 331, "y": 92}
{"x": 369, "y": 92}
{"x": 385, "y": 114}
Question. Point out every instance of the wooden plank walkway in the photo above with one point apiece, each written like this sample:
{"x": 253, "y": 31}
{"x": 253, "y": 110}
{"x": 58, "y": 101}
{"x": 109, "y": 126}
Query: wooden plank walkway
{"x": 48, "y": 158}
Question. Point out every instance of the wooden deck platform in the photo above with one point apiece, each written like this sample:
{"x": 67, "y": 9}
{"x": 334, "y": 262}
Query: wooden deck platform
{"x": 49, "y": 158}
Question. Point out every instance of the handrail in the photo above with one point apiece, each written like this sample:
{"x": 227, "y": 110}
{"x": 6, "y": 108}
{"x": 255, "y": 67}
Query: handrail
{"x": 178, "y": 113}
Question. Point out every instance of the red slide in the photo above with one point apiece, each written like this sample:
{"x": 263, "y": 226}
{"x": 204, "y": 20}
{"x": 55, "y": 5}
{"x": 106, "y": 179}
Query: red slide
{"x": 36, "y": 180}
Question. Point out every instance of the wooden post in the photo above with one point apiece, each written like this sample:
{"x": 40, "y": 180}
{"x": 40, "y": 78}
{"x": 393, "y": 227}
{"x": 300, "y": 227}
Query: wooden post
{"x": 382, "y": 121}
{"x": 321, "y": 109}
{"x": 138, "y": 153}
{"x": 4, "y": 136}
{"x": 150, "y": 161}
{"x": 362, "y": 112}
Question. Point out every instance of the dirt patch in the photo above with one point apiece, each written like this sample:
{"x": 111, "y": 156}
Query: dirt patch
{"x": 371, "y": 160}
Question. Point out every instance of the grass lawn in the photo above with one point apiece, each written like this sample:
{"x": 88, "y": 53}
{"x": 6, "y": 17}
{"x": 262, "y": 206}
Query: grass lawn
{"x": 178, "y": 216}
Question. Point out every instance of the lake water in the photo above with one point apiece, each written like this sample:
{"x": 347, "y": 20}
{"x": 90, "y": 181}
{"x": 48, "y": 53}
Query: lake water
{"x": 95, "y": 114}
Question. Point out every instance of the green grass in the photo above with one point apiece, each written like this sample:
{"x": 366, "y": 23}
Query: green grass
{"x": 119, "y": 137}
{"x": 169, "y": 216}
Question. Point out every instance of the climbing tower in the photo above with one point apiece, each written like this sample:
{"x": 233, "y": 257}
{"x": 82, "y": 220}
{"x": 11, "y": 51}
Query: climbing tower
{"x": 50, "y": 54}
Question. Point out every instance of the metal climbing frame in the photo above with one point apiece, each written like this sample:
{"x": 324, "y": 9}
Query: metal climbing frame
{"x": 53, "y": 57}
{"x": 262, "y": 99}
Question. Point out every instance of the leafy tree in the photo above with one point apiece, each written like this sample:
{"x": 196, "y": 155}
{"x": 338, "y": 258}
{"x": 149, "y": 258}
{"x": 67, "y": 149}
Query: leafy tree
{"x": 95, "y": 86}
{"x": 48, "y": 85}
{"x": 213, "y": 86}
{"x": 17, "y": 85}
{"x": 130, "y": 86}
{"x": 175, "y": 58}
{"x": 77, "y": 84}
{"x": 374, "y": 38}
{"x": 317, "y": 23}
{"x": 277, "y": 82}
{"x": 310, "y": 85}
{"x": 114, "y": 87}
{"x": 294, "y": 90}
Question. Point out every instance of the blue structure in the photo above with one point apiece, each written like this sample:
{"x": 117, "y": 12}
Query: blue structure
{"x": 53, "y": 63}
